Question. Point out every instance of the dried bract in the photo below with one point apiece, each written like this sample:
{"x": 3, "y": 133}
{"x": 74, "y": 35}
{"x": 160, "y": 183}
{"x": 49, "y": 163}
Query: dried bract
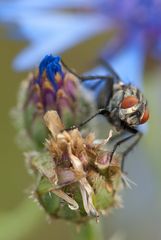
{"x": 76, "y": 180}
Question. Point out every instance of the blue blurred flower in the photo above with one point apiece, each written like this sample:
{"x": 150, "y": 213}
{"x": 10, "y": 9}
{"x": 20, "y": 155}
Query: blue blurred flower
{"x": 47, "y": 28}
{"x": 54, "y": 26}
{"x": 139, "y": 19}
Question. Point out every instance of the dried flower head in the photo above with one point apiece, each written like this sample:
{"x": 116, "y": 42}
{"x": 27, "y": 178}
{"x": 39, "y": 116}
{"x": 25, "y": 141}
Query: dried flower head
{"x": 51, "y": 87}
{"x": 76, "y": 181}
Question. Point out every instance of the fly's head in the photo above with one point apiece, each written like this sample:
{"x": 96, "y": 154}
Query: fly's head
{"x": 129, "y": 105}
{"x": 133, "y": 107}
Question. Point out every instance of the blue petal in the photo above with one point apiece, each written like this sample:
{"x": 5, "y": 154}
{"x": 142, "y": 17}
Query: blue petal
{"x": 129, "y": 63}
{"x": 17, "y": 5}
{"x": 54, "y": 34}
{"x": 47, "y": 60}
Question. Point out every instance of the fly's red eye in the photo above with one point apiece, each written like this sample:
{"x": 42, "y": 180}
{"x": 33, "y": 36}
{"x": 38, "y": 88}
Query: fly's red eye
{"x": 145, "y": 117}
{"x": 129, "y": 101}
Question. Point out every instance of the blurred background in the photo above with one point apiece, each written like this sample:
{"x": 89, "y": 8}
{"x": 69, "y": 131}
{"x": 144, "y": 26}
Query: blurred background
{"x": 128, "y": 34}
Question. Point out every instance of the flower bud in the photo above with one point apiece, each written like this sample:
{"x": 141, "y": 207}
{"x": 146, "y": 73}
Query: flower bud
{"x": 51, "y": 87}
{"x": 76, "y": 181}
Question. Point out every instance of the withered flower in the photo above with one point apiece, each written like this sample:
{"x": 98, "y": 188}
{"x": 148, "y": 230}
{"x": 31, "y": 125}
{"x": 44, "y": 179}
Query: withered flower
{"x": 51, "y": 87}
{"x": 76, "y": 181}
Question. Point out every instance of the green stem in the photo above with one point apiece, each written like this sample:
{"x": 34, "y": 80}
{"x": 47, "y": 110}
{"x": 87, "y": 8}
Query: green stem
{"x": 90, "y": 231}
{"x": 19, "y": 222}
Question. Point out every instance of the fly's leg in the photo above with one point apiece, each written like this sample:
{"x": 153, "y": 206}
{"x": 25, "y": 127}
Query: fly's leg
{"x": 106, "y": 92}
{"x": 129, "y": 149}
{"x": 135, "y": 133}
{"x": 100, "y": 112}
{"x": 138, "y": 136}
{"x": 86, "y": 78}
{"x": 108, "y": 66}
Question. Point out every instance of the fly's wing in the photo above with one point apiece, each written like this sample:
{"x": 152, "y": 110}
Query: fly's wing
{"x": 105, "y": 93}
{"x": 102, "y": 88}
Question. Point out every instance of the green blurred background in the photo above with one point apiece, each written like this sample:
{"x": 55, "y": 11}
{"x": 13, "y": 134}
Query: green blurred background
{"x": 22, "y": 219}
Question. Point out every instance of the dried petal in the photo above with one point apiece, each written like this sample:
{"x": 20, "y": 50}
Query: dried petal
{"x": 73, "y": 205}
{"x": 53, "y": 122}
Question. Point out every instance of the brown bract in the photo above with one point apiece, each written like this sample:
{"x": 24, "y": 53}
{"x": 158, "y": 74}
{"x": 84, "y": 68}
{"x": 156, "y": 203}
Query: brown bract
{"x": 75, "y": 158}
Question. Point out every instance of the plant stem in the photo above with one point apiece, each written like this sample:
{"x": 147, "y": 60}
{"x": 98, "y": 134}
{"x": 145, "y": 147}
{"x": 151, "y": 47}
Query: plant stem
{"x": 19, "y": 222}
{"x": 90, "y": 231}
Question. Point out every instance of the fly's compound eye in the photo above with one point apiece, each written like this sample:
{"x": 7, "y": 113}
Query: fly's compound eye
{"x": 145, "y": 117}
{"x": 129, "y": 101}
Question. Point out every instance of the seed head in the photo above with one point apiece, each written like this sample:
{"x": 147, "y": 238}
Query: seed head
{"x": 76, "y": 180}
